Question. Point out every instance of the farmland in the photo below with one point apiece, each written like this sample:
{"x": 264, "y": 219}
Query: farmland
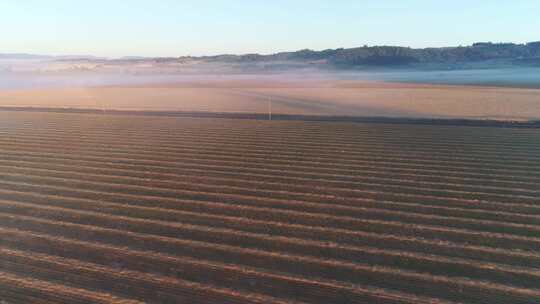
{"x": 294, "y": 97}
{"x": 103, "y": 208}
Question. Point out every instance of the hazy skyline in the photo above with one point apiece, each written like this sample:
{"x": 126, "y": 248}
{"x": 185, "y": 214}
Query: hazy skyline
{"x": 176, "y": 28}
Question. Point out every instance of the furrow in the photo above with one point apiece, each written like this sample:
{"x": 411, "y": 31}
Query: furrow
{"x": 216, "y": 148}
{"x": 111, "y": 183}
{"x": 334, "y": 187}
{"x": 258, "y": 189}
{"x": 150, "y": 287}
{"x": 29, "y": 288}
{"x": 453, "y": 289}
{"x": 372, "y": 172}
{"x": 262, "y": 244}
{"x": 237, "y": 277}
{"x": 294, "y": 170}
{"x": 287, "y": 229}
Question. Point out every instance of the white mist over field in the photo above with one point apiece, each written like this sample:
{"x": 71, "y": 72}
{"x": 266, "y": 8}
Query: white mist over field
{"x": 190, "y": 85}
{"x": 49, "y": 72}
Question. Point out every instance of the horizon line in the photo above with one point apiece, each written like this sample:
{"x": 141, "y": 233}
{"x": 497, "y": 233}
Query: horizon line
{"x": 75, "y": 56}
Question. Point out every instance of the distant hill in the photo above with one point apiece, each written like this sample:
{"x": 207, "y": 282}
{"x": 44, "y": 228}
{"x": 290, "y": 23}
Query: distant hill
{"x": 493, "y": 54}
{"x": 397, "y": 56}
{"x": 23, "y": 56}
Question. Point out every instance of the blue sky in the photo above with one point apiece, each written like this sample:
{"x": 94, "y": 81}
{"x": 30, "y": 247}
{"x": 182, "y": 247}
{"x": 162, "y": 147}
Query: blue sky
{"x": 174, "y": 28}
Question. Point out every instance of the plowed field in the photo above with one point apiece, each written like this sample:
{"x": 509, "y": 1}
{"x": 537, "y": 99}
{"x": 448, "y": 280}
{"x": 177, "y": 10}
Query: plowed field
{"x": 146, "y": 209}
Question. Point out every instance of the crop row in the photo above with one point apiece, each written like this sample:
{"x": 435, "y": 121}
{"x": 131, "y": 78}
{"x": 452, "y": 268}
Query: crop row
{"x": 196, "y": 270}
{"x": 378, "y": 191}
{"x": 22, "y": 289}
{"x": 346, "y": 153}
{"x": 372, "y": 173}
{"x": 227, "y": 172}
{"x": 263, "y": 244}
{"x": 202, "y": 262}
{"x": 356, "y": 133}
{"x": 301, "y": 201}
{"x": 360, "y": 172}
{"x": 333, "y": 162}
{"x": 293, "y": 226}
{"x": 338, "y": 208}
{"x": 415, "y": 227}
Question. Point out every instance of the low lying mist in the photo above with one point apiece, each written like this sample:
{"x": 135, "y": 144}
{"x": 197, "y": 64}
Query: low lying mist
{"x": 24, "y": 73}
{"x": 165, "y": 84}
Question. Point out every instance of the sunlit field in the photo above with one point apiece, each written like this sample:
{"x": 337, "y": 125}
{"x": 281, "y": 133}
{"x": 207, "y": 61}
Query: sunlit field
{"x": 342, "y": 98}
{"x": 270, "y": 152}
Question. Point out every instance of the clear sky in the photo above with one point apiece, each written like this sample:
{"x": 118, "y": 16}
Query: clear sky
{"x": 205, "y": 27}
